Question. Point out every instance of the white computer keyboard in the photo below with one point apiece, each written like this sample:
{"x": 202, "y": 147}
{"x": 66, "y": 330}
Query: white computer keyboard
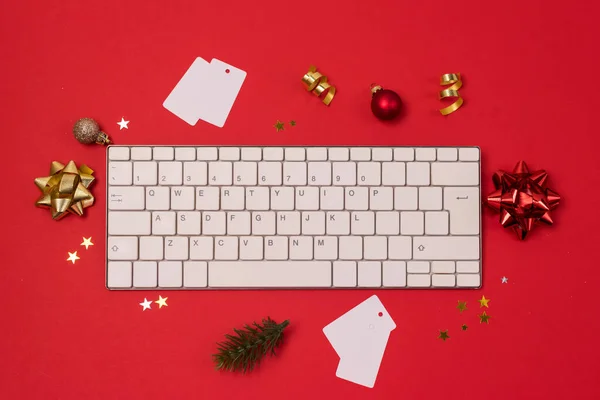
{"x": 182, "y": 217}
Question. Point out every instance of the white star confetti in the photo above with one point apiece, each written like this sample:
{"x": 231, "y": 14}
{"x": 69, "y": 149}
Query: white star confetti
{"x": 146, "y": 304}
{"x": 123, "y": 124}
{"x": 504, "y": 279}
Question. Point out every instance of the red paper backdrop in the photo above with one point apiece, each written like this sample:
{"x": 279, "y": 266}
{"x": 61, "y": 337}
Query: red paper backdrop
{"x": 530, "y": 71}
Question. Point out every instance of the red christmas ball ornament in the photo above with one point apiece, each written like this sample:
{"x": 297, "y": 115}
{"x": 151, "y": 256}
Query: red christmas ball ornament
{"x": 385, "y": 103}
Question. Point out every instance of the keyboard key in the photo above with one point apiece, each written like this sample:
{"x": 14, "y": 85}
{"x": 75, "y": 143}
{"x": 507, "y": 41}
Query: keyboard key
{"x": 339, "y": 154}
{"x": 158, "y": 198}
{"x": 400, "y": 248}
{"x": 412, "y": 223}
{"x": 170, "y": 173}
{"x": 430, "y": 198}
{"x": 229, "y": 153}
{"x": 360, "y": 154}
{"x": 120, "y": 173}
{"x": 213, "y": 223}
{"x": 185, "y": 153}
{"x": 326, "y": 247}
{"x": 118, "y": 153}
{"x": 443, "y": 280}
{"x": 128, "y": 223}
{"x": 455, "y": 174}
{"x": 195, "y": 274}
{"x": 226, "y": 248}
{"x": 425, "y": 154}
{"x": 294, "y": 173}
{"x": 447, "y": 154}
{"x": 467, "y": 266}
{"x": 245, "y": 173}
{"x": 207, "y": 198}
{"x": 163, "y": 153}
{"x": 145, "y": 274}
{"x": 276, "y": 248}
{"x": 251, "y": 154}
{"x": 357, "y": 198}
{"x": 126, "y": 198}
{"x": 269, "y": 274}
{"x": 170, "y": 274}
{"x": 307, "y": 198}
{"x": 151, "y": 248}
{"x": 404, "y": 154}
{"x": 207, "y": 153}
{"x": 313, "y": 223}
{"x": 351, "y": 248}
{"x": 301, "y": 248}
{"x": 118, "y": 274}
{"x": 332, "y": 198}
{"x": 122, "y": 247}
{"x": 468, "y": 154}
{"x": 369, "y": 173}
{"x": 369, "y": 274}
{"x": 145, "y": 173}
{"x": 442, "y": 267}
{"x": 220, "y": 173}
{"x": 387, "y": 223}
{"x": 382, "y": 154}
{"x": 468, "y": 280}
{"x": 201, "y": 248}
{"x": 264, "y": 223}
{"x": 417, "y": 174}
{"x": 238, "y": 223}
{"x": 141, "y": 153}
{"x": 375, "y": 247}
{"x": 189, "y": 222}
{"x": 405, "y": 198}
{"x": 163, "y": 223}
{"x": 382, "y": 198}
{"x": 363, "y": 223}
{"x": 251, "y": 248}
{"x": 269, "y": 173}
{"x": 418, "y": 280}
{"x": 338, "y": 223}
{"x": 273, "y": 154}
{"x": 232, "y": 198}
{"x": 319, "y": 173}
{"x": 417, "y": 267}
{"x": 344, "y": 274}
{"x": 446, "y": 248}
{"x": 316, "y": 154}
{"x": 344, "y": 174}
{"x": 295, "y": 154}
{"x": 257, "y": 198}
{"x": 182, "y": 198}
{"x": 393, "y": 173}
{"x": 436, "y": 223}
{"x": 464, "y": 207}
{"x": 394, "y": 273}
{"x": 282, "y": 198}
{"x": 195, "y": 173}
{"x": 288, "y": 223}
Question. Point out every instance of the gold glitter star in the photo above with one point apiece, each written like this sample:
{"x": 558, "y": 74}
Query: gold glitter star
{"x": 464, "y": 327}
{"x": 462, "y": 306}
{"x": 279, "y": 126}
{"x": 72, "y": 257}
{"x": 484, "y": 302}
{"x": 293, "y": 123}
{"x": 444, "y": 335}
{"x": 484, "y": 318}
{"x": 87, "y": 242}
{"x": 161, "y": 302}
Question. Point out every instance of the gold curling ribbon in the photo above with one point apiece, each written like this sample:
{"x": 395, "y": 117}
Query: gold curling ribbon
{"x": 317, "y": 83}
{"x": 452, "y": 91}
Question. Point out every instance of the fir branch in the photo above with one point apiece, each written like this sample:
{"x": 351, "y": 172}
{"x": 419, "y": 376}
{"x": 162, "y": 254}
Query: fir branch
{"x": 244, "y": 350}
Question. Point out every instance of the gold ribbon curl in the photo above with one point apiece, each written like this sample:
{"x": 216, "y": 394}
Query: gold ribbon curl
{"x": 452, "y": 91}
{"x": 318, "y": 84}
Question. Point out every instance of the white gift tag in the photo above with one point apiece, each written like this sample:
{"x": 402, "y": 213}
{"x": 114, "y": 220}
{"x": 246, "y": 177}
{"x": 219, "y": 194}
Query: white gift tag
{"x": 360, "y": 337}
{"x": 206, "y": 91}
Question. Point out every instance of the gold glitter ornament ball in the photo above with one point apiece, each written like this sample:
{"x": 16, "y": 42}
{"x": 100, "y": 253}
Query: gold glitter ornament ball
{"x": 87, "y": 131}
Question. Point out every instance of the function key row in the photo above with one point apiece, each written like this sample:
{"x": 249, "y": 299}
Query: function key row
{"x": 162, "y": 153}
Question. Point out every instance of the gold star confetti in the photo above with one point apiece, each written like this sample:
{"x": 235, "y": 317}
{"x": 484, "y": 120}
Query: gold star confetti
{"x": 87, "y": 242}
{"x": 293, "y": 123}
{"x": 444, "y": 335}
{"x": 72, "y": 257}
{"x": 462, "y": 306}
{"x": 464, "y": 327}
{"x": 484, "y": 318}
{"x": 161, "y": 302}
{"x": 484, "y": 302}
{"x": 279, "y": 126}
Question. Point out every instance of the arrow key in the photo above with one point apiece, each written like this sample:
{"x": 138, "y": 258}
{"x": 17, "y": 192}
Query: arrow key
{"x": 122, "y": 248}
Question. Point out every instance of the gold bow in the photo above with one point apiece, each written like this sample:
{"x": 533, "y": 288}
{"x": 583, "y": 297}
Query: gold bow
{"x": 317, "y": 83}
{"x": 65, "y": 190}
{"x": 452, "y": 91}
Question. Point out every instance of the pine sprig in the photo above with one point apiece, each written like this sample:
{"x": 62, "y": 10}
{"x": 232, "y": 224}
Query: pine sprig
{"x": 244, "y": 350}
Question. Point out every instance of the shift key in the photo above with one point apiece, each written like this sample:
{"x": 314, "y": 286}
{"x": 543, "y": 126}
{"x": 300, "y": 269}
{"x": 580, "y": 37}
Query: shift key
{"x": 446, "y": 248}
{"x": 129, "y": 222}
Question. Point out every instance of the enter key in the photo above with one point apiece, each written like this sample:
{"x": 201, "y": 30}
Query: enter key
{"x": 463, "y": 205}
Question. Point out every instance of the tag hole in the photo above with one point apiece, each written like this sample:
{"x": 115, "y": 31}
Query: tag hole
{"x": 227, "y": 71}
{"x": 380, "y": 314}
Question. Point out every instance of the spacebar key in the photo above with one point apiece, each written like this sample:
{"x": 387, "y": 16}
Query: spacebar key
{"x": 269, "y": 274}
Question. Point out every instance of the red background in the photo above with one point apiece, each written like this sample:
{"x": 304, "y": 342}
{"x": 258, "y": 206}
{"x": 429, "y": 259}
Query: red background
{"x": 530, "y": 75}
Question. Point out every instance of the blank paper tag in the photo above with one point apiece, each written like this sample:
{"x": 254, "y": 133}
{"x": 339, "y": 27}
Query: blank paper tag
{"x": 206, "y": 92}
{"x": 359, "y": 337}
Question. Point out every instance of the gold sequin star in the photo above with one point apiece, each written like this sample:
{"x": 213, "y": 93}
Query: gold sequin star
{"x": 484, "y": 302}
{"x": 293, "y": 123}
{"x": 462, "y": 306}
{"x": 279, "y": 126}
{"x": 87, "y": 242}
{"x": 484, "y": 318}
{"x": 72, "y": 257}
{"x": 464, "y": 327}
{"x": 444, "y": 335}
{"x": 161, "y": 302}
